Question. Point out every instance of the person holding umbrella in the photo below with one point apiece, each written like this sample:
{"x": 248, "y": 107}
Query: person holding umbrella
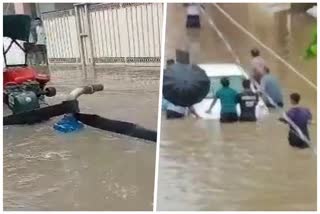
{"x": 183, "y": 86}
{"x": 175, "y": 111}
{"x": 228, "y": 100}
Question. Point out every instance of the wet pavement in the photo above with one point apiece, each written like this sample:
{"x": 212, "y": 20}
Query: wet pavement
{"x": 91, "y": 169}
{"x": 249, "y": 166}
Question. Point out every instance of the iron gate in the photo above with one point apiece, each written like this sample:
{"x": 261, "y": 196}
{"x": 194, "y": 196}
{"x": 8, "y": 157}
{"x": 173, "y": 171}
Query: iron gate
{"x": 109, "y": 33}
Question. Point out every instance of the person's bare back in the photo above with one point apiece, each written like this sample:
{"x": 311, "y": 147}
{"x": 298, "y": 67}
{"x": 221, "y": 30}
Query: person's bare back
{"x": 258, "y": 65}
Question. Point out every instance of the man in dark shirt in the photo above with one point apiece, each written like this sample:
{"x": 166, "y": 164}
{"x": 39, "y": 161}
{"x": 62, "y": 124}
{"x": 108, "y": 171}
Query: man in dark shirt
{"x": 248, "y": 101}
{"x": 300, "y": 117}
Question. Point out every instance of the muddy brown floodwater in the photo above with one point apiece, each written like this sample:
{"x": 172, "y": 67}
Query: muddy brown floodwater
{"x": 248, "y": 166}
{"x": 91, "y": 169}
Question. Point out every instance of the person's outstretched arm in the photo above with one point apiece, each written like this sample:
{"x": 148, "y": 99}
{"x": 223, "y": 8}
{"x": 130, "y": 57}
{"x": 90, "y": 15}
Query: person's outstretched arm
{"x": 193, "y": 111}
{"x": 281, "y": 119}
{"x": 212, "y": 104}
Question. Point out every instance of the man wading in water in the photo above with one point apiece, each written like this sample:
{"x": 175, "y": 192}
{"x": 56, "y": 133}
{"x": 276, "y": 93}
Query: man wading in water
{"x": 301, "y": 117}
{"x": 227, "y": 98}
{"x": 248, "y": 101}
{"x": 258, "y": 64}
{"x": 271, "y": 89}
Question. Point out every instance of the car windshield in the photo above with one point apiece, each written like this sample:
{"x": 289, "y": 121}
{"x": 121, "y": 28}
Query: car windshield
{"x": 215, "y": 85}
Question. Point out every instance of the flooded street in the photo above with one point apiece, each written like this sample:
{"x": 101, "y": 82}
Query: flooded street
{"x": 91, "y": 169}
{"x": 204, "y": 165}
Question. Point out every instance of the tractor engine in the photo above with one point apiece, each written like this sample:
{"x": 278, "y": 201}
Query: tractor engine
{"x": 27, "y": 96}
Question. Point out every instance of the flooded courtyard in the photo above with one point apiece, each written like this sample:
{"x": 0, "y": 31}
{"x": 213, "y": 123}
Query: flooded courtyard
{"x": 205, "y": 165}
{"x": 91, "y": 169}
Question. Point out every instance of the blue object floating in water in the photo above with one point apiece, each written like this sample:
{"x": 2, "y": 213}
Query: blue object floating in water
{"x": 68, "y": 124}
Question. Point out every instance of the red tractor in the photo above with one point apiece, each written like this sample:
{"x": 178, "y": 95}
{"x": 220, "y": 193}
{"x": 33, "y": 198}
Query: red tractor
{"x": 24, "y": 87}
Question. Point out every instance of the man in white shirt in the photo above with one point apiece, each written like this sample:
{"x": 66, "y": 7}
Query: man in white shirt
{"x": 41, "y": 40}
{"x": 41, "y": 36}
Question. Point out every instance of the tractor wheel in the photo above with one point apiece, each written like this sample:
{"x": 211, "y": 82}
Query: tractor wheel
{"x": 50, "y": 91}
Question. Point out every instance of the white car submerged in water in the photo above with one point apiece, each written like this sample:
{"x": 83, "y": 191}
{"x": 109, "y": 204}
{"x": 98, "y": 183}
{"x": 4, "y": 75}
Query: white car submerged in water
{"x": 236, "y": 75}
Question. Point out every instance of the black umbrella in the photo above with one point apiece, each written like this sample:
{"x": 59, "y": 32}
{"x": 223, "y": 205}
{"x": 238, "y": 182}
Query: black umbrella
{"x": 185, "y": 85}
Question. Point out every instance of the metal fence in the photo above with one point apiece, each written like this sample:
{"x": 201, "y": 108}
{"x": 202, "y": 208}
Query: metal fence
{"x": 61, "y": 33}
{"x": 105, "y": 34}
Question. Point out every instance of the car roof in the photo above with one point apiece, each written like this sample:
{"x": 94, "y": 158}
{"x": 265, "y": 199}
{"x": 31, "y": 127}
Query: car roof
{"x": 226, "y": 69}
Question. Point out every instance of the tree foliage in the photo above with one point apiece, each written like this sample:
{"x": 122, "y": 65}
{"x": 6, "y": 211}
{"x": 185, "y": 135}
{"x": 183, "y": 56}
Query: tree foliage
{"x": 311, "y": 51}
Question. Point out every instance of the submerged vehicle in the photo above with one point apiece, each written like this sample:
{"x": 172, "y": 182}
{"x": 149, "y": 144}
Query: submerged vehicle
{"x": 236, "y": 74}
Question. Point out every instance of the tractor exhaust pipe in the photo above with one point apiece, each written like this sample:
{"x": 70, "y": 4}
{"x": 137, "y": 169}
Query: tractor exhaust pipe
{"x": 90, "y": 89}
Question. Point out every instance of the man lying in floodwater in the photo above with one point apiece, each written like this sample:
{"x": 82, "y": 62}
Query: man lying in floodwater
{"x": 301, "y": 117}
